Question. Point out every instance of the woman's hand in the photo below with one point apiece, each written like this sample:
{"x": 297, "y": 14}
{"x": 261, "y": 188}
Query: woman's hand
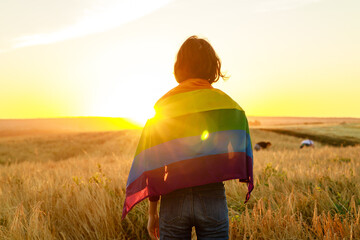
{"x": 153, "y": 222}
{"x": 153, "y": 226}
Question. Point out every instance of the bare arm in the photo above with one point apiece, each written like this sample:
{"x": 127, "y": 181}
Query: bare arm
{"x": 153, "y": 222}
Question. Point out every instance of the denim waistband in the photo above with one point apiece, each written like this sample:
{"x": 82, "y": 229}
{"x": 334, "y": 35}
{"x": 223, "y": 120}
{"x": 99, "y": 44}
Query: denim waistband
{"x": 201, "y": 188}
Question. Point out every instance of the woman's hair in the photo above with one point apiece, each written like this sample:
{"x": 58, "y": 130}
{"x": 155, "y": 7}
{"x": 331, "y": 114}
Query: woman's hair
{"x": 197, "y": 59}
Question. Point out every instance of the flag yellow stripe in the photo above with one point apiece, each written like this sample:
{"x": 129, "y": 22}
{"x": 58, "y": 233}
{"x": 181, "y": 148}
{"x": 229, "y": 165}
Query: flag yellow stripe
{"x": 193, "y": 102}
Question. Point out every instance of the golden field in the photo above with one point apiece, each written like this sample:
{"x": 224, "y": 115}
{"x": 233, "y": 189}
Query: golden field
{"x": 71, "y": 186}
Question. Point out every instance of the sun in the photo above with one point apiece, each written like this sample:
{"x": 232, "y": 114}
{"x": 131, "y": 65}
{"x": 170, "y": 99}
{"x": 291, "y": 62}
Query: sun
{"x": 138, "y": 115}
{"x": 133, "y": 98}
{"x": 142, "y": 116}
{"x": 128, "y": 105}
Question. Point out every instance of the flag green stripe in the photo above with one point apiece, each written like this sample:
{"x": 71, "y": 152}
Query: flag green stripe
{"x": 196, "y": 124}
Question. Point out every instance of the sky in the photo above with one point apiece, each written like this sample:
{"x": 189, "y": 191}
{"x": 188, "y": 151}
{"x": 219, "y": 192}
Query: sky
{"x": 115, "y": 58}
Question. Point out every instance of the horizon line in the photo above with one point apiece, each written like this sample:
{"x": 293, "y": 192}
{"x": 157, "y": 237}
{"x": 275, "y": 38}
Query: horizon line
{"x": 129, "y": 118}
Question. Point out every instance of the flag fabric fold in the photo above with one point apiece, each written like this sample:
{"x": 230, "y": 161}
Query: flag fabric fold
{"x": 199, "y": 135}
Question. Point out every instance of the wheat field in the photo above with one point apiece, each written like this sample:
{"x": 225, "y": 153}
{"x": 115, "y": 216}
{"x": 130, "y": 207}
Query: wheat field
{"x": 71, "y": 186}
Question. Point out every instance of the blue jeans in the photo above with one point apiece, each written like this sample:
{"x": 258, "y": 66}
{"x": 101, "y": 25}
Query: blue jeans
{"x": 203, "y": 207}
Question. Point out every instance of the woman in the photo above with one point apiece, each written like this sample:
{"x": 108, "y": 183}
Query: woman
{"x": 198, "y": 138}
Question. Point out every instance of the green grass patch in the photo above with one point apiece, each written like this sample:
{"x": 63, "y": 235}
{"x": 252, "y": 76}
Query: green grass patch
{"x": 336, "y": 141}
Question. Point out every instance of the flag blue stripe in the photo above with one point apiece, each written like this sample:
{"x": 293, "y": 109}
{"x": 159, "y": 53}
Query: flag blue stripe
{"x": 187, "y": 148}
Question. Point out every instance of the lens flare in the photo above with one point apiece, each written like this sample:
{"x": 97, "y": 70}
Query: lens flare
{"x": 205, "y": 135}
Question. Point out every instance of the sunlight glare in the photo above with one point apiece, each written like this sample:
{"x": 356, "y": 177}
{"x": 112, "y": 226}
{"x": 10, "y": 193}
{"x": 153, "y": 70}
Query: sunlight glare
{"x": 142, "y": 116}
{"x": 205, "y": 135}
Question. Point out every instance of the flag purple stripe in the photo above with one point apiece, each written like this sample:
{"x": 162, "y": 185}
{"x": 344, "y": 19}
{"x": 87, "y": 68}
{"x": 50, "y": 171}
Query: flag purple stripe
{"x": 182, "y": 174}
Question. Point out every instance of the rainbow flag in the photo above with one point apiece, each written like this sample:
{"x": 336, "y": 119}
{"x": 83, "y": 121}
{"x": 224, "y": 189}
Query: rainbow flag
{"x": 199, "y": 135}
